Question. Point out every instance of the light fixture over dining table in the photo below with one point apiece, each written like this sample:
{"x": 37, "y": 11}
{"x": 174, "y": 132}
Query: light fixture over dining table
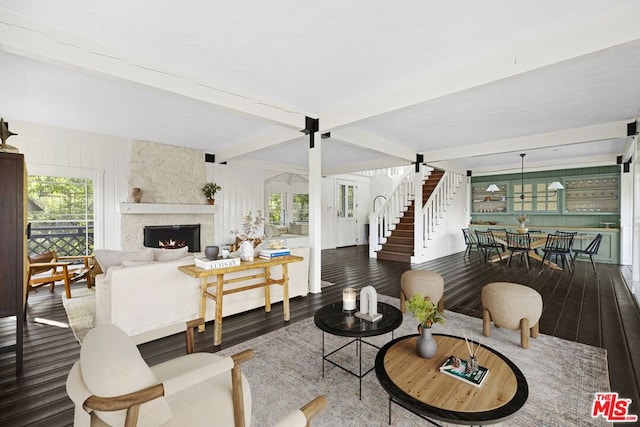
{"x": 554, "y": 186}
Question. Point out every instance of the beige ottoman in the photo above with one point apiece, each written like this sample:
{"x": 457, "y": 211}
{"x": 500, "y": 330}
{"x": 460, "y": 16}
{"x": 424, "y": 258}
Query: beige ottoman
{"x": 511, "y": 306}
{"x": 424, "y": 282}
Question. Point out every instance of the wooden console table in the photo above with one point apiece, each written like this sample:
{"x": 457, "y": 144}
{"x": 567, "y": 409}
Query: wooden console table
{"x": 219, "y": 284}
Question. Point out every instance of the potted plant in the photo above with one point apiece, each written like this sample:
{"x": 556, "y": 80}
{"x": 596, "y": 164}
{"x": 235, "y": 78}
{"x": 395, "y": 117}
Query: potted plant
{"x": 209, "y": 190}
{"x": 427, "y": 313}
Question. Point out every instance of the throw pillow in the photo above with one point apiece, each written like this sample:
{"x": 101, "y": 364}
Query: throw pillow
{"x": 169, "y": 254}
{"x": 108, "y": 258}
{"x": 269, "y": 230}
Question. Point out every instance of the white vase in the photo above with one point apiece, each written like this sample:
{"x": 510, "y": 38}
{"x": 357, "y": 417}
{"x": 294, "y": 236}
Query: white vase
{"x": 246, "y": 251}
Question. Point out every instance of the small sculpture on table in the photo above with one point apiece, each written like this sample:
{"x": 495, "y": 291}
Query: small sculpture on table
{"x": 369, "y": 304}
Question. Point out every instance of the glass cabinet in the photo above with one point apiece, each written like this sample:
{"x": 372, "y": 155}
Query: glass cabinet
{"x": 537, "y": 199}
{"x": 592, "y": 194}
{"x": 486, "y": 202}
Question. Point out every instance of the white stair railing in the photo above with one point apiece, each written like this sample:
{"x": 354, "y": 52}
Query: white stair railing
{"x": 383, "y": 221}
{"x": 435, "y": 208}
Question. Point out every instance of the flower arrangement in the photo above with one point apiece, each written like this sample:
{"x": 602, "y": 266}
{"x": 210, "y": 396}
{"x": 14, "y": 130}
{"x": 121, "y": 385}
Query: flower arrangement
{"x": 250, "y": 228}
{"x": 425, "y": 311}
{"x": 522, "y": 219}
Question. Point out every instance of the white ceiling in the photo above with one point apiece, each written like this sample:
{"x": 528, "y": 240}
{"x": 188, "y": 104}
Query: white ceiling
{"x": 470, "y": 84}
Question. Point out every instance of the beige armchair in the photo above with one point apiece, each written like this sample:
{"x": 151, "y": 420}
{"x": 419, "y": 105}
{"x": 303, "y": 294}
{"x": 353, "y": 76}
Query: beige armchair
{"x": 113, "y": 385}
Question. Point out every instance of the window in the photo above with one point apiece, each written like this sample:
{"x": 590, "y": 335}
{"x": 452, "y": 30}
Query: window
{"x": 346, "y": 201}
{"x": 276, "y": 208}
{"x": 60, "y": 212}
{"x": 300, "y": 208}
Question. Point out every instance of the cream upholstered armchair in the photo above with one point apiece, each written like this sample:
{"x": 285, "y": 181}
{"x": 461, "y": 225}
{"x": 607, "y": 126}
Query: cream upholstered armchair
{"x": 111, "y": 384}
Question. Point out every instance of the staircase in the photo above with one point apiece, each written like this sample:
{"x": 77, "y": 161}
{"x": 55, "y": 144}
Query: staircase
{"x": 399, "y": 245}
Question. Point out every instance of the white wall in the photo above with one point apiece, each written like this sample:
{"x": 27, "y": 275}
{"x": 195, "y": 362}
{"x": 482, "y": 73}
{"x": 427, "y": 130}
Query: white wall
{"x": 242, "y": 192}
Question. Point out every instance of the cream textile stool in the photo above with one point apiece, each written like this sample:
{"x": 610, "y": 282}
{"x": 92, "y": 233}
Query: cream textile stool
{"x": 424, "y": 282}
{"x": 511, "y": 306}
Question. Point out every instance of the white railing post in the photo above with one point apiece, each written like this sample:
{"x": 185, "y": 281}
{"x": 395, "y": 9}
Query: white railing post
{"x": 374, "y": 235}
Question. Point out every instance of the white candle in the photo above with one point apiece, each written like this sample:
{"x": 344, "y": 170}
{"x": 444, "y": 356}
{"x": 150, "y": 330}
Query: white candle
{"x": 349, "y": 299}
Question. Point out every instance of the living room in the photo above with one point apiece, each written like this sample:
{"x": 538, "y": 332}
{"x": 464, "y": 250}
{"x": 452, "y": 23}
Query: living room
{"x": 334, "y": 93}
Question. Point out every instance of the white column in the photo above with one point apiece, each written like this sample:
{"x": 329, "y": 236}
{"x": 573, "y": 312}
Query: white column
{"x": 418, "y": 225}
{"x": 315, "y": 213}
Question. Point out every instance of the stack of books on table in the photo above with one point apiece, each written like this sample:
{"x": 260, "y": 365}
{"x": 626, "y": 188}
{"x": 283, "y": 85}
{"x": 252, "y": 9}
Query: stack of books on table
{"x": 274, "y": 253}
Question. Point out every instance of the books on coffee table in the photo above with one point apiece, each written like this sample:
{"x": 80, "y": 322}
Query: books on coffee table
{"x": 456, "y": 368}
{"x": 273, "y": 253}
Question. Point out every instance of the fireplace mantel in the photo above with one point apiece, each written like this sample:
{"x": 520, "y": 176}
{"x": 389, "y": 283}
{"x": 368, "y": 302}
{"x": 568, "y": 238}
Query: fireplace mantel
{"x": 166, "y": 208}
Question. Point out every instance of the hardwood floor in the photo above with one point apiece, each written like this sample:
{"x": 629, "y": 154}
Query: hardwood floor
{"x": 595, "y": 310}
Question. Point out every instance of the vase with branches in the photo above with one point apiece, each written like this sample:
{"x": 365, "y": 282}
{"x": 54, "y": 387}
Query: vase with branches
{"x": 249, "y": 235}
{"x": 427, "y": 313}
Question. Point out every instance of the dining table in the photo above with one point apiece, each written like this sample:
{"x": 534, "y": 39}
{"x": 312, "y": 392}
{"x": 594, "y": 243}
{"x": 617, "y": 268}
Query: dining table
{"x": 538, "y": 240}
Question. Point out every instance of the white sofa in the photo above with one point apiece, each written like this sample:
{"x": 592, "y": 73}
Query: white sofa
{"x": 149, "y": 300}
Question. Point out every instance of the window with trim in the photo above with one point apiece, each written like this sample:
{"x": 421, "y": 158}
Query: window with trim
{"x": 300, "y": 208}
{"x": 60, "y": 213}
{"x": 276, "y": 208}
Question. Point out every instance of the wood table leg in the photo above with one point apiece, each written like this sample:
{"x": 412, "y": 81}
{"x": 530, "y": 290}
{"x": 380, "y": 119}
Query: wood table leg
{"x": 203, "y": 301}
{"x": 217, "y": 331}
{"x": 285, "y": 291}
{"x": 267, "y": 289}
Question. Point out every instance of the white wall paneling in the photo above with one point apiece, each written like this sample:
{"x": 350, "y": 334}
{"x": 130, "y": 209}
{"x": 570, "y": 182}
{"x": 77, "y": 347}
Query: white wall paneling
{"x": 242, "y": 192}
{"x": 328, "y": 206}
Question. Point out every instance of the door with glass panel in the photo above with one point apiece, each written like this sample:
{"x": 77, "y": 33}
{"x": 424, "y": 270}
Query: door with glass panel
{"x": 346, "y": 206}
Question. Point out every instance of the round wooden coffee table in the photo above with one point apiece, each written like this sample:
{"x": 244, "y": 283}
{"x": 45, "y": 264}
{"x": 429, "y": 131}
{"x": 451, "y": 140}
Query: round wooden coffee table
{"x": 417, "y": 384}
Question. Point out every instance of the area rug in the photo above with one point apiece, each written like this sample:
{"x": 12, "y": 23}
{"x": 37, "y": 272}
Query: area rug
{"x": 287, "y": 372}
{"x": 81, "y": 311}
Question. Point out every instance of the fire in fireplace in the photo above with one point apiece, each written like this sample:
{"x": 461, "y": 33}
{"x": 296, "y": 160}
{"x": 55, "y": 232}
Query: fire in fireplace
{"x": 173, "y": 236}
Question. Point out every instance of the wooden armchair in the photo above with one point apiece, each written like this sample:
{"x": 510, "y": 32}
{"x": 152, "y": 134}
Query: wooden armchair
{"x": 48, "y": 268}
{"x": 112, "y": 384}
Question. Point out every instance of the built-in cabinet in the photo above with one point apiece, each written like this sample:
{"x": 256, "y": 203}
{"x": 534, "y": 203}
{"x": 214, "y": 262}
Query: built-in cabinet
{"x": 592, "y": 194}
{"x": 486, "y": 202}
{"x": 587, "y": 194}
{"x": 12, "y": 251}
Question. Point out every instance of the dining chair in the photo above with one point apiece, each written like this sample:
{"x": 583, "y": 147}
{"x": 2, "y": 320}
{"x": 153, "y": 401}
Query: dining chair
{"x": 471, "y": 242}
{"x": 558, "y": 246}
{"x": 519, "y": 243}
{"x": 487, "y": 243}
{"x": 591, "y": 250}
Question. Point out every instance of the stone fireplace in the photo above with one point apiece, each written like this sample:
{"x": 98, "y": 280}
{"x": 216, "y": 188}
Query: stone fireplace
{"x": 170, "y": 178}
